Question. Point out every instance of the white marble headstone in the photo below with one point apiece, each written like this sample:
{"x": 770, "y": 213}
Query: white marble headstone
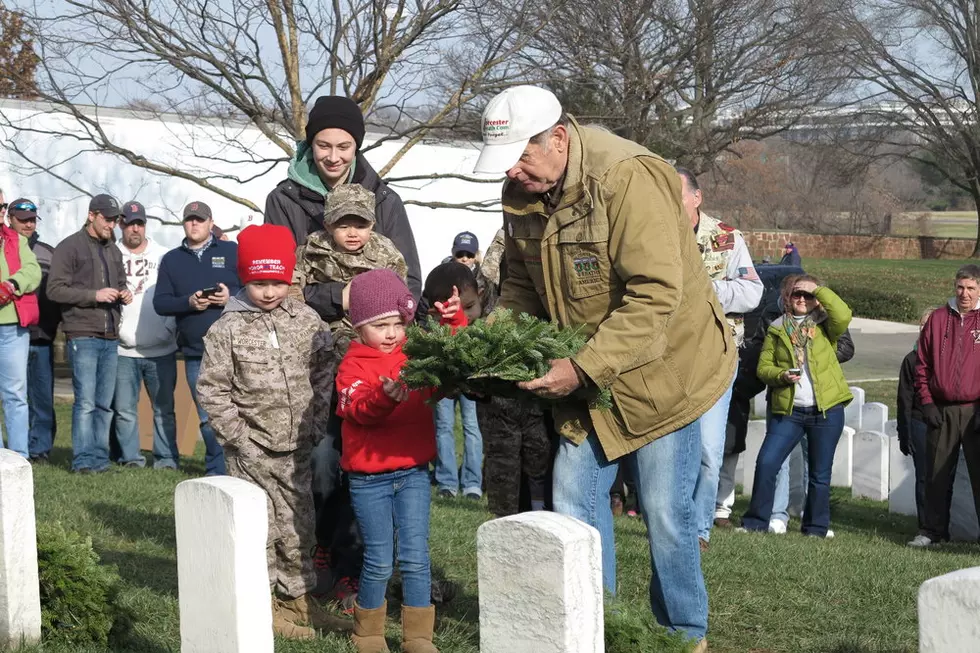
{"x": 540, "y": 585}
{"x": 222, "y": 573}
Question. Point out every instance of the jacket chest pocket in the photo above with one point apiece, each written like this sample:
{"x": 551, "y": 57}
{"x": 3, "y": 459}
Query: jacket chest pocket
{"x": 583, "y": 252}
{"x": 255, "y": 369}
{"x": 527, "y": 232}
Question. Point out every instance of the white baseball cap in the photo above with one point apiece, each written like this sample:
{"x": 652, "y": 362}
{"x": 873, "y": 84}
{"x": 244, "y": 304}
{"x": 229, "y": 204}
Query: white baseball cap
{"x": 510, "y": 121}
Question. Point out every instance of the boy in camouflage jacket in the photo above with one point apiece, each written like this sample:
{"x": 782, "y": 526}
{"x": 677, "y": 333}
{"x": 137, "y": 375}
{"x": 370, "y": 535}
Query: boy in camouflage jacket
{"x": 266, "y": 383}
{"x": 345, "y": 248}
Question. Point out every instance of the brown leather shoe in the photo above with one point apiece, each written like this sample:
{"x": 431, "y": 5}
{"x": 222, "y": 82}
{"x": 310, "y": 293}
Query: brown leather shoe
{"x": 723, "y": 522}
{"x": 703, "y": 544}
{"x": 616, "y": 503}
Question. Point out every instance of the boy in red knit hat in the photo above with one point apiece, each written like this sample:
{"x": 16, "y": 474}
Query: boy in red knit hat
{"x": 389, "y": 439}
{"x": 266, "y": 380}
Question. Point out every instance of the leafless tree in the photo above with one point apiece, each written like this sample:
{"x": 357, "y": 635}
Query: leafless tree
{"x": 920, "y": 63}
{"x": 690, "y": 78}
{"x": 243, "y": 65}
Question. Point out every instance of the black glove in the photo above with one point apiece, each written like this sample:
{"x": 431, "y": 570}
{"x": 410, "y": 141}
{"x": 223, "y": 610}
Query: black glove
{"x": 932, "y": 415}
{"x": 903, "y": 444}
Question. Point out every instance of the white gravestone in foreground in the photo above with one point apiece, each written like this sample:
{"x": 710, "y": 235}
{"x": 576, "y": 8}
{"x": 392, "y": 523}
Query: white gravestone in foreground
{"x": 870, "y": 466}
{"x": 842, "y": 474}
{"x": 854, "y": 411}
{"x": 962, "y": 510}
{"x": 754, "y": 435}
{"x": 948, "y": 609}
{"x": 874, "y": 416}
{"x": 901, "y": 480}
{"x": 540, "y": 585}
{"x": 20, "y": 595}
{"x": 222, "y": 574}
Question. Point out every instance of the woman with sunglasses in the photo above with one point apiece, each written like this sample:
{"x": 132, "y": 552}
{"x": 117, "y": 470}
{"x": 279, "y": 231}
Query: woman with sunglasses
{"x": 808, "y": 393}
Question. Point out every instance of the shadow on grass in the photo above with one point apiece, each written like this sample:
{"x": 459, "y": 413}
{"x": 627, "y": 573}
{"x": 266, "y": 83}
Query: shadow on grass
{"x": 137, "y": 568}
{"x": 155, "y": 573}
{"x": 854, "y": 647}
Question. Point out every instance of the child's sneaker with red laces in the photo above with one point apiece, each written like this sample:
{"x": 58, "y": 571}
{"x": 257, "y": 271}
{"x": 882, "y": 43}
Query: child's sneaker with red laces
{"x": 345, "y": 594}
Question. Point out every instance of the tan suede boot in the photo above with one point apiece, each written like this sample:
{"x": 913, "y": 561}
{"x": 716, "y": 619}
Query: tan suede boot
{"x": 369, "y": 629}
{"x": 417, "y": 627}
{"x": 284, "y": 623}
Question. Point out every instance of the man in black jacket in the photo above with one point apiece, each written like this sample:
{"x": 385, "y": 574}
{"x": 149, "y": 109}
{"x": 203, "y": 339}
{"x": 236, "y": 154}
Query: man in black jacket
{"x": 89, "y": 281}
{"x": 330, "y": 156}
{"x": 22, "y": 216}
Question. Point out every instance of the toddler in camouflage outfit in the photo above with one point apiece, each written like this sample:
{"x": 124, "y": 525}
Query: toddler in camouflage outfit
{"x": 266, "y": 382}
{"x": 346, "y": 247}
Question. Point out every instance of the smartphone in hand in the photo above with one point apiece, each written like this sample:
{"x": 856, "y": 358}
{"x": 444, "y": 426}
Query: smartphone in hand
{"x": 795, "y": 371}
{"x": 209, "y": 292}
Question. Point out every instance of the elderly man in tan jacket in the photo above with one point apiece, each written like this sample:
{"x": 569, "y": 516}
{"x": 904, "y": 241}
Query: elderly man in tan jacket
{"x": 596, "y": 235}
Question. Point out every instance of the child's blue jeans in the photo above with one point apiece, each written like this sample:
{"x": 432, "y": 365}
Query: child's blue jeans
{"x": 386, "y": 504}
{"x": 447, "y": 475}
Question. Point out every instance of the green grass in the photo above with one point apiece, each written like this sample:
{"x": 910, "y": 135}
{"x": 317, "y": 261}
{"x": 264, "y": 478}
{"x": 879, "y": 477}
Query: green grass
{"x": 942, "y": 224}
{"x": 884, "y": 392}
{"x": 928, "y": 282}
{"x": 853, "y": 594}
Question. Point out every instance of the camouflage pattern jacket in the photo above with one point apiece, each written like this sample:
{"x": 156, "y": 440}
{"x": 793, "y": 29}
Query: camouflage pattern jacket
{"x": 729, "y": 266}
{"x": 267, "y": 376}
{"x": 319, "y": 261}
{"x": 489, "y": 275}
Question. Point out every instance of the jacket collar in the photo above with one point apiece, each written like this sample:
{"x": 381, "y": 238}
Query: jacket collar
{"x": 952, "y": 306}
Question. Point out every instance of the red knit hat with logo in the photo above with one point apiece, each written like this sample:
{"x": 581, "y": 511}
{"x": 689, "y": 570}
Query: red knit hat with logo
{"x": 266, "y": 252}
{"x": 377, "y": 294}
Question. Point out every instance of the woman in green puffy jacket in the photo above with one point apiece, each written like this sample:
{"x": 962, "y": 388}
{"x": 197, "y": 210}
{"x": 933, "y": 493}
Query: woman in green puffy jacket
{"x": 808, "y": 393}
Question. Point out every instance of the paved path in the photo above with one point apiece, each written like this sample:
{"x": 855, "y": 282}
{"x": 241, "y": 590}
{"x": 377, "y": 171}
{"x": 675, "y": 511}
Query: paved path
{"x": 879, "y": 348}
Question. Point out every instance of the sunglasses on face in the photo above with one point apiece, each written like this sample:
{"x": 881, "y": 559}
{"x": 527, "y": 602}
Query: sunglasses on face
{"x": 3, "y": 206}
{"x": 802, "y": 294}
{"x": 465, "y": 255}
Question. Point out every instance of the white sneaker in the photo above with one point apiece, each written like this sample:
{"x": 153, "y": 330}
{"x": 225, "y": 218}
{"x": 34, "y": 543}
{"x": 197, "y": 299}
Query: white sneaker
{"x": 777, "y": 526}
{"x": 921, "y": 542}
{"x": 829, "y": 535}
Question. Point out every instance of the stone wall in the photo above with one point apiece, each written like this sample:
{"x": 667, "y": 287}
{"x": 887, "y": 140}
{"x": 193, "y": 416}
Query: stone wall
{"x": 770, "y": 243}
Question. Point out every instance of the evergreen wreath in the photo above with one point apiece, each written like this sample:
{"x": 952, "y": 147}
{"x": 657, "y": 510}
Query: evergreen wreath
{"x": 489, "y": 357}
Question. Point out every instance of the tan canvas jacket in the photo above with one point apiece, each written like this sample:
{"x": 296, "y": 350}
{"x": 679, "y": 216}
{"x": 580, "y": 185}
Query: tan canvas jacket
{"x": 618, "y": 256}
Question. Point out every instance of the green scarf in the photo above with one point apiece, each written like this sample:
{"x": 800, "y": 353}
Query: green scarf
{"x": 302, "y": 170}
{"x": 800, "y": 334}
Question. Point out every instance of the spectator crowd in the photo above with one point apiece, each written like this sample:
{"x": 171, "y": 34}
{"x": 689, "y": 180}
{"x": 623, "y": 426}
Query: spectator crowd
{"x": 290, "y": 340}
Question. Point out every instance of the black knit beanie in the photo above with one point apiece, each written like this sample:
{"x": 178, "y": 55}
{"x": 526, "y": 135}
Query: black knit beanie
{"x": 335, "y": 111}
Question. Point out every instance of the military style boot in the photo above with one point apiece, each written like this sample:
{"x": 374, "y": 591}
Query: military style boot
{"x": 369, "y": 629}
{"x": 417, "y": 627}
{"x": 284, "y": 623}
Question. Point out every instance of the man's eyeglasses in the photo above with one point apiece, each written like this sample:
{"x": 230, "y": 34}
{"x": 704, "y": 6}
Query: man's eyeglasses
{"x": 108, "y": 220}
{"x": 802, "y": 294}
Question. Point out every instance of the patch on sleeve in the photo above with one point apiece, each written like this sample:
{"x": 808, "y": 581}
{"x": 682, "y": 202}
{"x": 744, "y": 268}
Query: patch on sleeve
{"x": 748, "y": 273}
{"x": 723, "y": 242}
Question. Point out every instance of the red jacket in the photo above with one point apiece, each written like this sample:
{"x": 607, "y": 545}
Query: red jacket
{"x": 947, "y": 369}
{"x": 381, "y": 435}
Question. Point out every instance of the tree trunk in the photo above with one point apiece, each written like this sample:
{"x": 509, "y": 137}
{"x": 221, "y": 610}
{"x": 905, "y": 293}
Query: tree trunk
{"x": 975, "y": 192}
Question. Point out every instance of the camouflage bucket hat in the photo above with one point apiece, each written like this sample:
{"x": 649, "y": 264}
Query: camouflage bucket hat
{"x": 348, "y": 199}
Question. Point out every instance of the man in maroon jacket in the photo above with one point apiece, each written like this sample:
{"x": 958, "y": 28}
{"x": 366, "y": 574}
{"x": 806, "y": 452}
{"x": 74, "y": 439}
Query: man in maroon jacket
{"x": 947, "y": 381}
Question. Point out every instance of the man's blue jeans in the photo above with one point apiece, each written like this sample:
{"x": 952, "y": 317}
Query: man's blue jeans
{"x": 214, "y": 455}
{"x": 40, "y": 399}
{"x": 714, "y": 425}
{"x": 784, "y": 432}
{"x": 15, "y": 344}
{"x": 159, "y": 375}
{"x": 385, "y": 505}
{"x": 665, "y": 471}
{"x": 447, "y": 476}
{"x": 93, "y": 380}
